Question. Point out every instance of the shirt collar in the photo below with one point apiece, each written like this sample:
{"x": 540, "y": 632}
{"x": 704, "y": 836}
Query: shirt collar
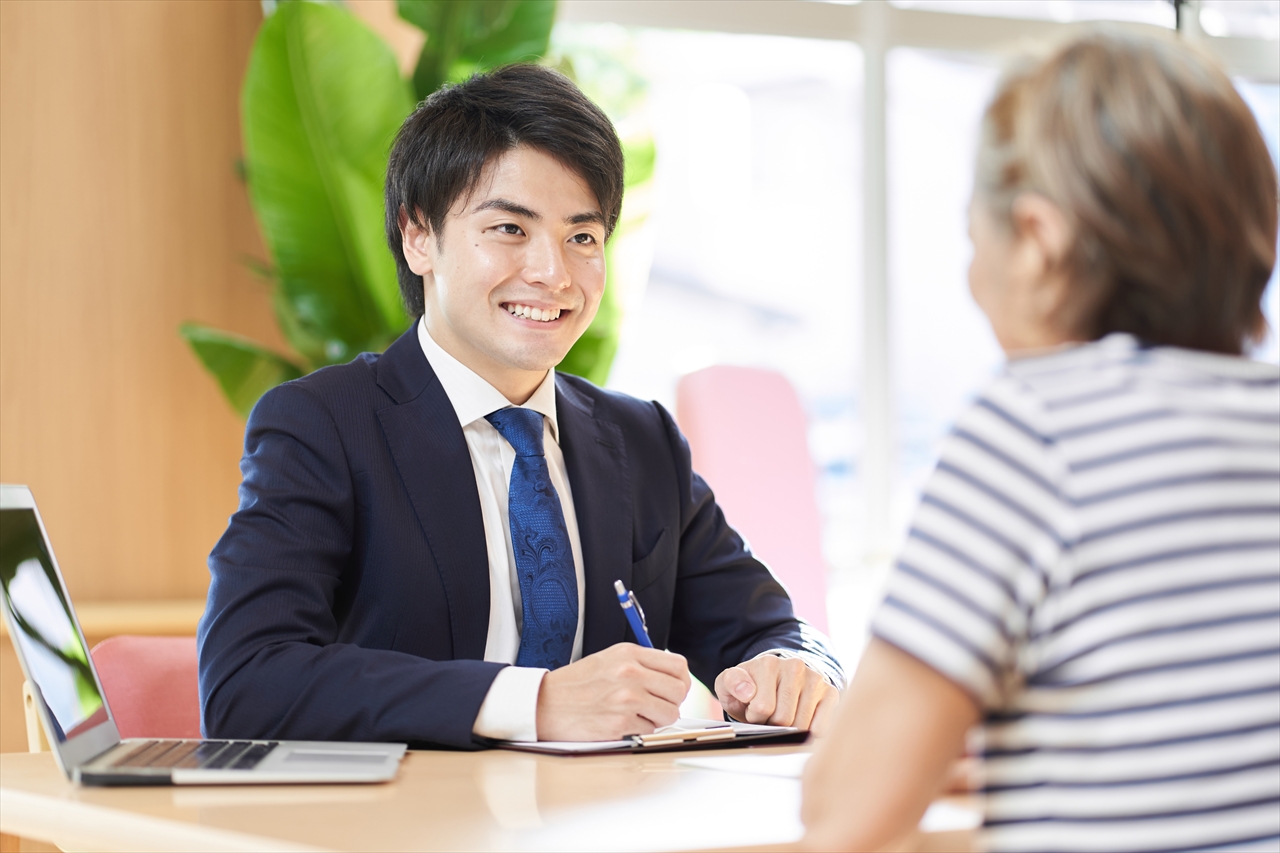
{"x": 472, "y": 396}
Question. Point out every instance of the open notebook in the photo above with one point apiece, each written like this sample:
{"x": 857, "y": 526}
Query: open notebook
{"x": 683, "y": 734}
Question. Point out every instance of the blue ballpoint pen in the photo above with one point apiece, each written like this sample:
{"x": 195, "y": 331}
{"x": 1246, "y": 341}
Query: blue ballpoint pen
{"x": 635, "y": 615}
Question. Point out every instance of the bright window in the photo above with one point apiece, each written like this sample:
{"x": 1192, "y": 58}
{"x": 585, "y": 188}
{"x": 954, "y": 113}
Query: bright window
{"x": 756, "y": 229}
{"x": 1158, "y": 12}
{"x": 761, "y": 232}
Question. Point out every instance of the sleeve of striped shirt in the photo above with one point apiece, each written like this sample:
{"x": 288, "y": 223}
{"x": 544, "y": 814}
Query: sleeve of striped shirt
{"x": 988, "y": 530}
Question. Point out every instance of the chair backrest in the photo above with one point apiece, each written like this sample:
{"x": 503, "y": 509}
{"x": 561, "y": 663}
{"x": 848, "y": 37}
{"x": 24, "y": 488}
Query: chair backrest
{"x": 151, "y": 685}
{"x": 749, "y": 438}
{"x": 36, "y": 740}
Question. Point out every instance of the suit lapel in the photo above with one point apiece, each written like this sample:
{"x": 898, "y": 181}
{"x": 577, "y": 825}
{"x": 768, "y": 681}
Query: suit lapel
{"x": 596, "y": 458}
{"x": 433, "y": 461}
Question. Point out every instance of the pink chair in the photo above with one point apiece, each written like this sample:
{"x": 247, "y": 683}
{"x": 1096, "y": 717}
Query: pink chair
{"x": 748, "y": 434}
{"x": 151, "y": 685}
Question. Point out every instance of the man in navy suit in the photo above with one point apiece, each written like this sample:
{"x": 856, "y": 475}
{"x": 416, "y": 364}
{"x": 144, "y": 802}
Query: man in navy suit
{"x": 368, "y": 587}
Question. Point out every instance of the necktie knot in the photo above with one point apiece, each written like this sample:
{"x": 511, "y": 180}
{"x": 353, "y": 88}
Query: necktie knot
{"x": 522, "y": 428}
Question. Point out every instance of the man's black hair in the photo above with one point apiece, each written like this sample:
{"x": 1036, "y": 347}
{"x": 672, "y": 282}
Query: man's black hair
{"x": 444, "y": 146}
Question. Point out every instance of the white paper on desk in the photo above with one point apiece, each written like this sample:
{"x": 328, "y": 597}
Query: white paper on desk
{"x": 788, "y": 766}
{"x": 939, "y": 817}
{"x": 572, "y": 746}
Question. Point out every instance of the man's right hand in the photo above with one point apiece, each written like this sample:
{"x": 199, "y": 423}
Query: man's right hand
{"x": 625, "y": 689}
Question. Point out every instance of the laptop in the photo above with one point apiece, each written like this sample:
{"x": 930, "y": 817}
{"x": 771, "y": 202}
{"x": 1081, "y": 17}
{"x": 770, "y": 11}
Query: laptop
{"x": 73, "y": 707}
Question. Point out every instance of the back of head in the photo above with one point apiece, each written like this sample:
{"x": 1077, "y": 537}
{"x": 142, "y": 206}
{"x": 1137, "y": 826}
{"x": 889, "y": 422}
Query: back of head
{"x": 444, "y": 146}
{"x": 1163, "y": 174}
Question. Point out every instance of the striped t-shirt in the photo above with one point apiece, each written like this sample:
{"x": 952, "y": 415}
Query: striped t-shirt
{"x": 1096, "y": 559}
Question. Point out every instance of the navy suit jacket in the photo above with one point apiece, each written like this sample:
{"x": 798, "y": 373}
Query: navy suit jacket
{"x": 350, "y": 592}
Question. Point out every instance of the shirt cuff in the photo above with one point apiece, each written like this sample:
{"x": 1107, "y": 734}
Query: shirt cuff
{"x": 814, "y": 663}
{"x": 510, "y": 708}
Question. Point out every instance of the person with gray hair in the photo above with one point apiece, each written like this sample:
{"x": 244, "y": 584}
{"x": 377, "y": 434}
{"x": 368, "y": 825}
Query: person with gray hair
{"x": 1092, "y": 578}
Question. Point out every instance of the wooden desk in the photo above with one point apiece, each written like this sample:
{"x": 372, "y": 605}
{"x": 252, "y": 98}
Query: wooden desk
{"x": 495, "y": 800}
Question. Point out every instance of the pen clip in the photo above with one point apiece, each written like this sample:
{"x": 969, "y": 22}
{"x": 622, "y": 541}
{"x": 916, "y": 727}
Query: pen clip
{"x": 631, "y": 596}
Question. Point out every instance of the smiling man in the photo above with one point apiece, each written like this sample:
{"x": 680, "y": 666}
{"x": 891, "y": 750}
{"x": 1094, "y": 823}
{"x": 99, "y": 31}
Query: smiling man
{"x": 427, "y": 539}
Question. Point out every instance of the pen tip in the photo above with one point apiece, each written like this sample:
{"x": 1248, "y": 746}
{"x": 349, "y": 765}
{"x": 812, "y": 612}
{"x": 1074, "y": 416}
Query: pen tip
{"x": 621, "y": 590}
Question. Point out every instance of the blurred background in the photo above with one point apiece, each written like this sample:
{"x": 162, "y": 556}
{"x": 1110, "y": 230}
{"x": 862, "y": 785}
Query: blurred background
{"x": 798, "y": 204}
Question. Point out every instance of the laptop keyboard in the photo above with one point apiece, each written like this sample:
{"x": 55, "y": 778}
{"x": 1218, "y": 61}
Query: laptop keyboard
{"x": 197, "y": 754}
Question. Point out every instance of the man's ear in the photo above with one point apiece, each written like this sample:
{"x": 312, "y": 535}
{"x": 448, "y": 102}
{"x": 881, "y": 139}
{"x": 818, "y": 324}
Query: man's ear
{"x": 418, "y": 245}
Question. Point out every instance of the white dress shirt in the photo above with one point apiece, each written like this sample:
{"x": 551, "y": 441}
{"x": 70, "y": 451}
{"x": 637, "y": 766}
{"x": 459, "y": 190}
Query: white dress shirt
{"x": 509, "y": 710}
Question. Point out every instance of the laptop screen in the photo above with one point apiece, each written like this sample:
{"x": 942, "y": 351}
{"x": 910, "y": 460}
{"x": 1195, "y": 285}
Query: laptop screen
{"x": 41, "y": 623}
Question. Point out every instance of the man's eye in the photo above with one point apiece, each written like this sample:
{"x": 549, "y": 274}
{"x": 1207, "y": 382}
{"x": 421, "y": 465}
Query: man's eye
{"x": 583, "y": 239}
{"x": 510, "y": 228}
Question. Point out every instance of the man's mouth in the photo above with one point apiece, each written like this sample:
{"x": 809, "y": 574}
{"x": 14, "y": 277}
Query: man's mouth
{"x": 542, "y": 315}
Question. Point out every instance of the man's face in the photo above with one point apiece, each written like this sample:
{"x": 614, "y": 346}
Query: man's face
{"x": 518, "y": 272}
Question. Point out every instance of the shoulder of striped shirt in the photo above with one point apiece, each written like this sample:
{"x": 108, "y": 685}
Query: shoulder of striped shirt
{"x": 1108, "y": 369}
{"x": 1121, "y": 352}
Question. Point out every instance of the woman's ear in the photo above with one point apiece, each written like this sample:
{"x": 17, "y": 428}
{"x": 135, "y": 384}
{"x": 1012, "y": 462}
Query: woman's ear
{"x": 1042, "y": 222}
{"x": 418, "y": 245}
{"x": 1043, "y": 236}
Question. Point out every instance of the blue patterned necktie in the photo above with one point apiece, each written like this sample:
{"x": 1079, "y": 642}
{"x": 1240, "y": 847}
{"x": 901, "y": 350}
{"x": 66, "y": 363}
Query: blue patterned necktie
{"x": 544, "y": 559}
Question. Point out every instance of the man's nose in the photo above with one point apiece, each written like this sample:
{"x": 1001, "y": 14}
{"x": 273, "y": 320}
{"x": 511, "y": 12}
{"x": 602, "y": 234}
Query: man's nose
{"x": 546, "y": 264}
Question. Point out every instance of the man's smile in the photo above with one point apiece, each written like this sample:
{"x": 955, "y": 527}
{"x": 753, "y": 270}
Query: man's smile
{"x": 541, "y": 315}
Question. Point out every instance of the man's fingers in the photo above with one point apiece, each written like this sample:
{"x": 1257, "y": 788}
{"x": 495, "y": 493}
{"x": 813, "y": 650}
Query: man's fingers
{"x": 789, "y": 687}
{"x": 746, "y": 689}
{"x": 664, "y": 674}
{"x": 764, "y": 702}
{"x": 761, "y": 707}
{"x": 784, "y": 692}
{"x": 658, "y": 684}
{"x": 735, "y": 683}
{"x": 652, "y": 710}
{"x": 825, "y": 713}
{"x": 658, "y": 712}
{"x": 815, "y": 688}
{"x": 621, "y": 690}
{"x": 735, "y": 688}
{"x": 661, "y": 661}
{"x": 635, "y": 699}
{"x": 652, "y": 683}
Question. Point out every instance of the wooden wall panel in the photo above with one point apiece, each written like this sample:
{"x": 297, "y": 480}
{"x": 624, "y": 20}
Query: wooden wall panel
{"x": 121, "y": 217}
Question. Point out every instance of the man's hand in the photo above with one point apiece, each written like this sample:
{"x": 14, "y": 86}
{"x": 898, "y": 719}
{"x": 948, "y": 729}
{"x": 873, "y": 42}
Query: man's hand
{"x": 777, "y": 691}
{"x": 625, "y": 689}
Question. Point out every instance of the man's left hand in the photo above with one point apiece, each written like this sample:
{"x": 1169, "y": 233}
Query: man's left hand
{"x": 779, "y": 692}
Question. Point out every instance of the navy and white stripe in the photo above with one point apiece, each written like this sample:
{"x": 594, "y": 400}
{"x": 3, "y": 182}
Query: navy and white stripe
{"x": 1096, "y": 559}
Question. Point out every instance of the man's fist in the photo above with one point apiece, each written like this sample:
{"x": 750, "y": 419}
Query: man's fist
{"x": 777, "y": 691}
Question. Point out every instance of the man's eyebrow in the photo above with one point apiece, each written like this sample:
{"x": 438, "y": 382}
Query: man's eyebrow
{"x": 508, "y": 206}
{"x": 594, "y": 216}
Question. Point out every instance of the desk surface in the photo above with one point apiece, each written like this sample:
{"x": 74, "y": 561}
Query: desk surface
{"x": 495, "y": 800}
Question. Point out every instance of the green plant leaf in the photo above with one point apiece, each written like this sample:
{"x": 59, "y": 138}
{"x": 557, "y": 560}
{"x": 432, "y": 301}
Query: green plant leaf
{"x": 244, "y": 370}
{"x": 641, "y": 155}
{"x": 606, "y": 72}
{"x": 522, "y": 33}
{"x": 321, "y": 103}
{"x": 467, "y": 36}
{"x": 591, "y": 356}
{"x": 442, "y": 21}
